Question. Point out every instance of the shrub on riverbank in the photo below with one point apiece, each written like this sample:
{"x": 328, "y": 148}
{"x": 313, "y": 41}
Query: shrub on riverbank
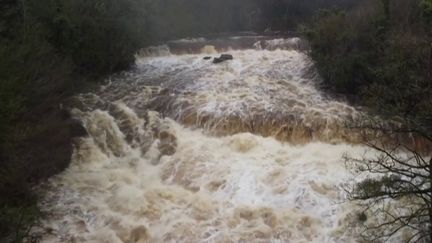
{"x": 380, "y": 54}
{"x": 48, "y": 51}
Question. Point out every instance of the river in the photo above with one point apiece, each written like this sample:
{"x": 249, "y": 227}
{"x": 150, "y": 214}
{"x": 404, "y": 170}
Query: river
{"x": 184, "y": 150}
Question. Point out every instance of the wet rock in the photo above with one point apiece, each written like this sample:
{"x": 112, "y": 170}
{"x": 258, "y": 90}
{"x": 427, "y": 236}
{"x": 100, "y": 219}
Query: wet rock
{"x": 223, "y": 58}
{"x": 167, "y": 149}
{"x": 246, "y": 213}
{"x": 128, "y": 122}
{"x": 362, "y": 217}
{"x": 76, "y": 128}
{"x": 207, "y": 58}
{"x": 215, "y": 185}
{"x": 47, "y": 148}
{"x": 161, "y": 103}
{"x": 269, "y": 218}
{"x": 165, "y": 91}
{"x": 139, "y": 235}
{"x": 168, "y": 143}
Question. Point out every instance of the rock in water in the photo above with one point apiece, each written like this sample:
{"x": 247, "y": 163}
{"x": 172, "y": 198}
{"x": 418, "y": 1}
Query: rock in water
{"x": 139, "y": 235}
{"x": 222, "y": 58}
{"x": 207, "y": 58}
{"x": 168, "y": 143}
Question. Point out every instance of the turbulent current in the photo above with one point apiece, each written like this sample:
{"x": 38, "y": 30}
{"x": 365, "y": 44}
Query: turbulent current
{"x": 183, "y": 150}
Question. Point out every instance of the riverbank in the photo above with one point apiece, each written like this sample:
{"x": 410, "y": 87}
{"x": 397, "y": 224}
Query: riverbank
{"x": 49, "y": 51}
{"x": 379, "y": 55}
{"x": 39, "y": 145}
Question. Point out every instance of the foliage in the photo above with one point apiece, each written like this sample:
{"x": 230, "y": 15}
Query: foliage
{"x": 16, "y": 222}
{"x": 279, "y": 14}
{"x": 377, "y": 53}
{"x": 380, "y": 54}
{"x": 427, "y": 10}
{"x": 46, "y": 48}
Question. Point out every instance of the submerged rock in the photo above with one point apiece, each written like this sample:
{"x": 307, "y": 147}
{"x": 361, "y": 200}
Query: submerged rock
{"x": 139, "y": 235}
{"x": 168, "y": 143}
{"x": 76, "y": 128}
{"x": 223, "y": 58}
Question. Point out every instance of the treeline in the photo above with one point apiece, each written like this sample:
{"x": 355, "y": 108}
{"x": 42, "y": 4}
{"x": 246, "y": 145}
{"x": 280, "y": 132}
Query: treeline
{"x": 282, "y": 14}
{"x": 179, "y": 18}
{"x": 48, "y": 50}
{"x": 46, "y": 44}
{"x": 379, "y": 53}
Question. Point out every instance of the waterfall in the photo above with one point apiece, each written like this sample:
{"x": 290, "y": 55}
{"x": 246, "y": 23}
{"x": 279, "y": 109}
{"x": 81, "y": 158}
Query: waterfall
{"x": 184, "y": 150}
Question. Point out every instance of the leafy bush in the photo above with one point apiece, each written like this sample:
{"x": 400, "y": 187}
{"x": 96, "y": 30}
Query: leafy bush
{"x": 378, "y": 53}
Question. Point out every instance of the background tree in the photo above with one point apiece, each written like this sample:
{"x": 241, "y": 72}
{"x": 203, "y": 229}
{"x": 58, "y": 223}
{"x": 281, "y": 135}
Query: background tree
{"x": 379, "y": 54}
{"x": 427, "y": 14}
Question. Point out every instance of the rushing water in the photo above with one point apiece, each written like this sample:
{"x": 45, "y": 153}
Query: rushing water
{"x": 183, "y": 150}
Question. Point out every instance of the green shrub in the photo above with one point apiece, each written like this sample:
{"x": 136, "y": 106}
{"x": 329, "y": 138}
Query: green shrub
{"x": 377, "y": 53}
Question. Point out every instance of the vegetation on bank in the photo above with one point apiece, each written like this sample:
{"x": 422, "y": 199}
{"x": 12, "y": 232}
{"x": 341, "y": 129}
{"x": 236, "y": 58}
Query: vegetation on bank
{"x": 49, "y": 50}
{"x": 380, "y": 55}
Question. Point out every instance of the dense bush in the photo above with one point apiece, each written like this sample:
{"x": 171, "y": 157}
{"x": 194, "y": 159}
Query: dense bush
{"x": 47, "y": 49}
{"x": 179, "y": 18}
{"x": 380, "y": 53}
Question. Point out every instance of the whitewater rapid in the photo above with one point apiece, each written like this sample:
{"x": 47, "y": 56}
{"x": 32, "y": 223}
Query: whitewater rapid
{"x": 184, "y": 150}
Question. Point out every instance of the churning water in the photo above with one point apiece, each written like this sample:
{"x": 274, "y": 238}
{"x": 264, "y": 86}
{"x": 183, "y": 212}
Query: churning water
{"x": 184, "y": 150}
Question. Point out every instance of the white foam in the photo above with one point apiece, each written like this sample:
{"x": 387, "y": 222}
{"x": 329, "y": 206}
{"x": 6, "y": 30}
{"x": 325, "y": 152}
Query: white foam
{"x": 204, "y": 186}
{"x": 241, "y": 187}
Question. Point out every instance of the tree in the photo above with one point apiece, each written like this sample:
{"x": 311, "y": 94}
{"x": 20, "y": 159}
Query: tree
{"x": 427, "y": 10}
{"x": 427, "y": 14}
{"x": 397, "y": 192}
